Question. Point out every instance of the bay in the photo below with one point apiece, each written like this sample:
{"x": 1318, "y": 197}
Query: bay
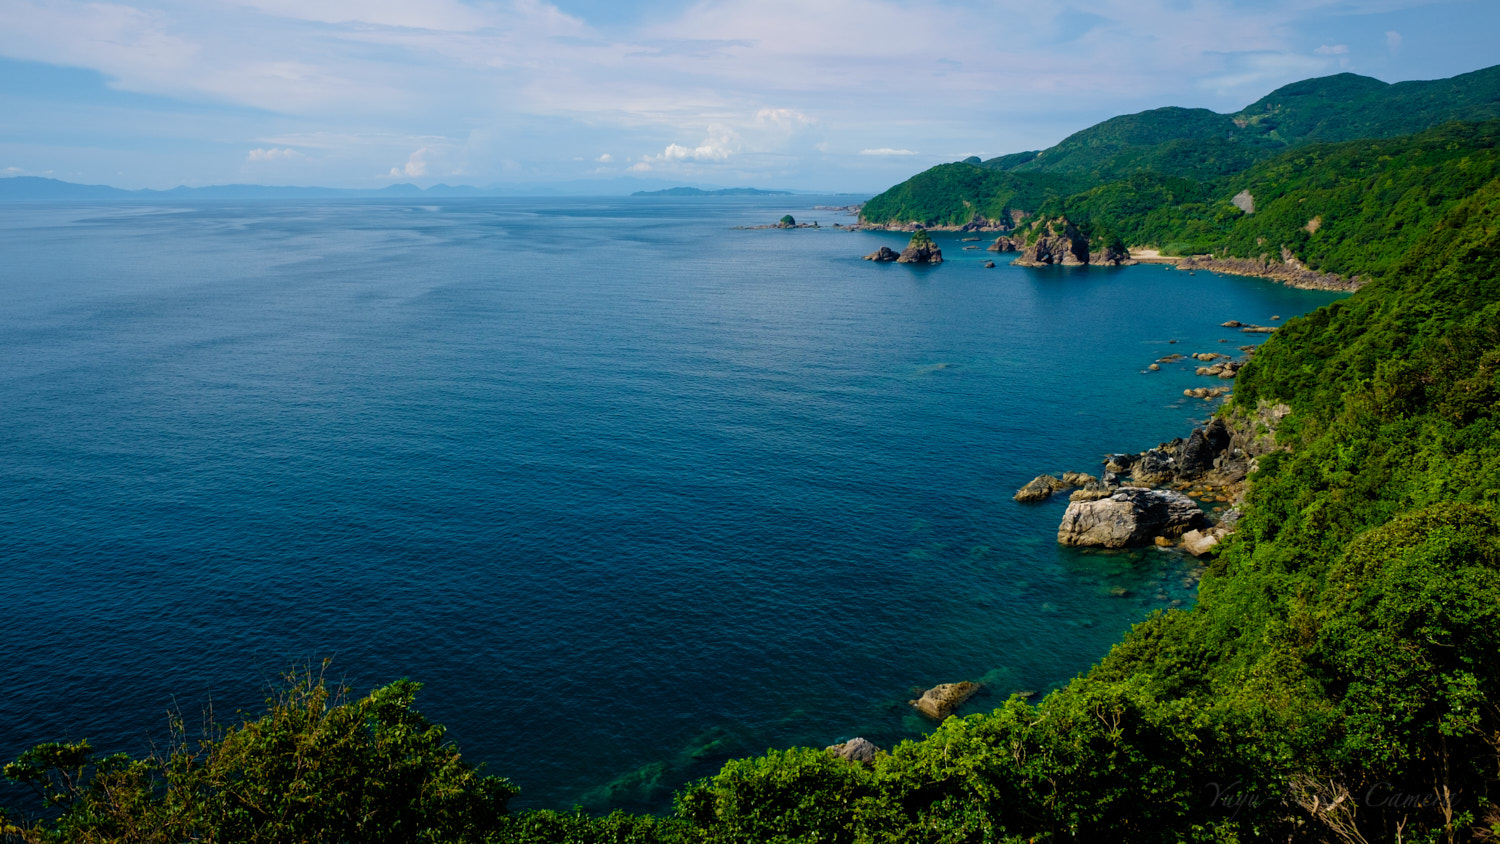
{"x": 631, "y": 491}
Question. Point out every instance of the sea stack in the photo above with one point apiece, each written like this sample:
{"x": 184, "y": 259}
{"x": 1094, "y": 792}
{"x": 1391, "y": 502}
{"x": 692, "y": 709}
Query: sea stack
{"x": 921, "y": 250}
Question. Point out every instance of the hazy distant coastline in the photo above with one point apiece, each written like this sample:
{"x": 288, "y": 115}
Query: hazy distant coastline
{"x": 37, "y": 188}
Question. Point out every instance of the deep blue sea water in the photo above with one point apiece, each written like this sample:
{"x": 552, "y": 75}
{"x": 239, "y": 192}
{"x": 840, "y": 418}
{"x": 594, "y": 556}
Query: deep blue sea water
{"x": 631, "y": 491}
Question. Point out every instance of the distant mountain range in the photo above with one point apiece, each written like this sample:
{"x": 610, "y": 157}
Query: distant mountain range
{"x": 35, "y": 188}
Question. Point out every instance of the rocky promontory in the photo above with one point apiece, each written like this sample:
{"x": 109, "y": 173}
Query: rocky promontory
{"x": 1060, "y": 243}
{"x": 1131, "y": 504}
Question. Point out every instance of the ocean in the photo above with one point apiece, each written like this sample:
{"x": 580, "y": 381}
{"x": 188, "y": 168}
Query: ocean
{"x": 631, "y": 491}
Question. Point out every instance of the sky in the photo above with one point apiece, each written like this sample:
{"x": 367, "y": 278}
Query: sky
{"x": 827, "y": 95}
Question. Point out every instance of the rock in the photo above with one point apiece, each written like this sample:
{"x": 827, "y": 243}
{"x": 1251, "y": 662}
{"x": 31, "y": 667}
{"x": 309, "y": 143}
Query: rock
{"x": 1162, "y": 542}
{"x": 1258, "y": 329}
{"x": 1217, "y": 434}
{"x": 921, "y": 250}
{"x": 1154, "y": 467}
{"x": 1155, "y": 367}
{"x": 856, "y": 750}
{"x": 1076, "y": 478}
{"x": 1119, "y": 462}
{"x": 1040, "y": 488}
{"x": 1060, "y": 243}
{"x": 1004, "y": 244}
{"x": 939, "y": 701}
{"x": 1093, "y": 491}
{"x": 1200, "y": 542}
{"x": 989, "y": 265}
{"x": 1244, "y": 201}
{"x": 967, "y": 239}
{"x": 1111, "y": 256}
{"x": 1131, "y": 516}
{"x": 1169, "y": 358}
{"x": 1198, "y": 454}
{"x": 1234, "y": 323}
{"x": 885, "y": 253}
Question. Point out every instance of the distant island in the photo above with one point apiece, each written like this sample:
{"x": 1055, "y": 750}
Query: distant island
{"x": 720, "y": 192}
{"x": 40, "y": 189}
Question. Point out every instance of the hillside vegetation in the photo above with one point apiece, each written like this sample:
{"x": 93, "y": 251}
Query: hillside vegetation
{"x": 1195, "y": 144}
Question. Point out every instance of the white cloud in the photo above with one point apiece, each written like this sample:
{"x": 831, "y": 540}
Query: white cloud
{"x": 273, "y": 154}
{"x": 886, "y": 151}
{"x": 605, "y": 158}
{"x": 1393, "y": 40}
{"x": 1332, "y": 50}
{"x": 415, "y": 167}
{"x": 784, "y": 118}
{"x": 719, "y": 146}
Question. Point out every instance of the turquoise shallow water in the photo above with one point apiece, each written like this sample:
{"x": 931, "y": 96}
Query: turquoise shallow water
{"x": 631, "y": 491}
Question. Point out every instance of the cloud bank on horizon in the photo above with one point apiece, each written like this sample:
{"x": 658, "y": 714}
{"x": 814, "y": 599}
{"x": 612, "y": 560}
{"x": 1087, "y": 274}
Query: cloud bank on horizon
{"x": 820, "y": 94}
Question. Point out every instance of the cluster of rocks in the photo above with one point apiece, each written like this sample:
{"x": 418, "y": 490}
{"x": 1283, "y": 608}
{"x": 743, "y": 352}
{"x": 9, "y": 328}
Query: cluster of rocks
{"x": 921, "y": 250}
{"x": 1205, "y": 392}
{"x": 1227, "y": 369}
{"x": 1059, "y": 242}
{"x": 1124, "y": 507}
{"x": 1288, "y": 271}
{"x": 939, "y": 701}
{"x": 1042, "y": 487}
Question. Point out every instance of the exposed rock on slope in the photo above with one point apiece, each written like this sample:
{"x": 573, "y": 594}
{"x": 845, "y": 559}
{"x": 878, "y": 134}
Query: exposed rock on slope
{"x": 856, "y": 750}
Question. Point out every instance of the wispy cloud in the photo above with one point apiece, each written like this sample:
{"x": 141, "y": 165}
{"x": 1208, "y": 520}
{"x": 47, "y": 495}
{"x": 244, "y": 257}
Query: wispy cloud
{"x": 502, "y": 87}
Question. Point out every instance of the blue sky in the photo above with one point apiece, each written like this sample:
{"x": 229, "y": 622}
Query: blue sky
{"x": 839, "y": 95}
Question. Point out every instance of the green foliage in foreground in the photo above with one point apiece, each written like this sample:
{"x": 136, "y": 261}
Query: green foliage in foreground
{"x": 316, "y": 767}
{"x": 1339, "y": 679}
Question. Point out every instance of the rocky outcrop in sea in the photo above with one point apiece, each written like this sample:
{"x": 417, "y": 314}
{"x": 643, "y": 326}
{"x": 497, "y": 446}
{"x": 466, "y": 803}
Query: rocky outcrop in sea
{"x": 939, "y": 701}
{"x": 1060, "y": 243}
{"x": 883, "y": 254}
{"x": 1131, "y": 516}
{"x": 921, "y": 250}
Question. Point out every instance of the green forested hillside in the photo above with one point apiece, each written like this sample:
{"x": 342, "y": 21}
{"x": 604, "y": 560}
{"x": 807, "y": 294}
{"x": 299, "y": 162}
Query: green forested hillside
{"x": 1351, "y": 208}
{"x": 954, "y": 194}
{"x": 1193, "y": 144}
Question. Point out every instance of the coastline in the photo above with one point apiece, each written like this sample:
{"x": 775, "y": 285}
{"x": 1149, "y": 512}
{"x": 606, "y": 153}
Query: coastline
{"x": 1288, "y": 271}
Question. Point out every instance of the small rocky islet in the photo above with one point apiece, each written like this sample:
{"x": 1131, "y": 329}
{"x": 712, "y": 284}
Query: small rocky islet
{"x": 921, "y": 250}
